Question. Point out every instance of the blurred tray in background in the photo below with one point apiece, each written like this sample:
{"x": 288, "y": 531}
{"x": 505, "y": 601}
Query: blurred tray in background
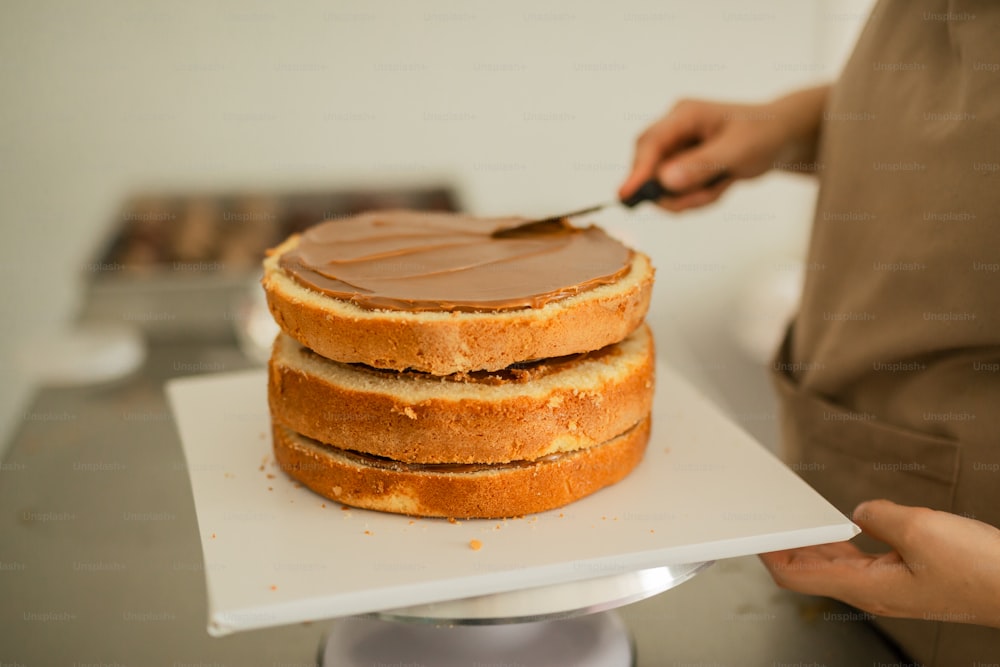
{"x": 181, "y": 266}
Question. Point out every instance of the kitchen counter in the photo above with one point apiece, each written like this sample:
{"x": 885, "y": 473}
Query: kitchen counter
{"x": 100, "y": 561}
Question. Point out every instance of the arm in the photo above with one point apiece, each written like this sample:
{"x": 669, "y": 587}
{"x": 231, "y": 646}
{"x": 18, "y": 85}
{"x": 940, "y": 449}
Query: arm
{"x": 942, "y": 566}
{"x": 698, "y": 140}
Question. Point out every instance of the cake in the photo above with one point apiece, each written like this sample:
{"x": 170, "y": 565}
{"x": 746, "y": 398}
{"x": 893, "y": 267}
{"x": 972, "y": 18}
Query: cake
{"x": 407, "y": 298}
{"x": 427, "y": 367}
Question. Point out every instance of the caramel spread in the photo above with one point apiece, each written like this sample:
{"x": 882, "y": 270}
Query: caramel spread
{"x": 418, "y": 261}
{"x": 520, "y": 373}
{"x": 381, "y": 462}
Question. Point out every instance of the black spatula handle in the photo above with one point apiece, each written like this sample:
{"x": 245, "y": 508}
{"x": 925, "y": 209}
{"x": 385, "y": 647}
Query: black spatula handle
{"x": 652, "y": 190}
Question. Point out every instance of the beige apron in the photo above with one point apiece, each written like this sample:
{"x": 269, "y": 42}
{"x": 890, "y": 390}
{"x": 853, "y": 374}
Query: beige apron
{"x": 889, "y": 377}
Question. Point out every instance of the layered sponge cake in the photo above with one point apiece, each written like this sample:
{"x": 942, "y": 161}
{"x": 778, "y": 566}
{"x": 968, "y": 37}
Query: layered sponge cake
{"x": 431, "y": 368}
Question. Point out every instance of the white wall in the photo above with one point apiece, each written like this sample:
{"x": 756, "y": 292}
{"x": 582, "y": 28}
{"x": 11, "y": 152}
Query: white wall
{"x": 531, "y": 107}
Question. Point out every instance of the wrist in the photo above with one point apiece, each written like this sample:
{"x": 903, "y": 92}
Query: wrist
{"x": 800, "y": 117}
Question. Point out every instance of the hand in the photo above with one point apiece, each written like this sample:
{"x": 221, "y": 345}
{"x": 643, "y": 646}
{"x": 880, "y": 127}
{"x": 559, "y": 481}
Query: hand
{"x": 942, "y": 567}
{"x": 698, "y": 140}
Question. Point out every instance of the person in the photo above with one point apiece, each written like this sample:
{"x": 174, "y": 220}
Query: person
{"x": 888, "y": 377}
{"x": 941, "y": 566}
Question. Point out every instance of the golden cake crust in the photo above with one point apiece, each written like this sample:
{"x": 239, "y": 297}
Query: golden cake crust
{"x": 562, "y": 406}
{"x": 487, "y": 492}
{"x": 446, "y": 342}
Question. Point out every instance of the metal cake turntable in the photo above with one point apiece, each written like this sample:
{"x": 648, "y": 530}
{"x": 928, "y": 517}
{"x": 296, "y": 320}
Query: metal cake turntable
{"x": 571, "y": 624}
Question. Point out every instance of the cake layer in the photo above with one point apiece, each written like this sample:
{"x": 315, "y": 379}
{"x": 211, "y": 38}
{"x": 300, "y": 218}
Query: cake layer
{"x": 523, "y": 412}
{"x": 434, "y": 261}
{"x": 451, "y": 490}
{"x": 571, "y": 320}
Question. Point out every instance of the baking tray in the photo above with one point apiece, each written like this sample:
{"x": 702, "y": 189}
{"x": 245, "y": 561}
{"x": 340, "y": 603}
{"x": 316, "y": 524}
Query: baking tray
{"x": 276, "y": 553}
{"x": 181, "y": 265}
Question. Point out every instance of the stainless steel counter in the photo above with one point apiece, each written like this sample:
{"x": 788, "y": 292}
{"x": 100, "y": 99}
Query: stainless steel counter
{"x": 100, "y": 562}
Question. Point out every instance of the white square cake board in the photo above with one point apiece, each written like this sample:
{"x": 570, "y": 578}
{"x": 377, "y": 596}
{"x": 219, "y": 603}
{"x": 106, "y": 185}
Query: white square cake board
{"x": 276, "y": 553}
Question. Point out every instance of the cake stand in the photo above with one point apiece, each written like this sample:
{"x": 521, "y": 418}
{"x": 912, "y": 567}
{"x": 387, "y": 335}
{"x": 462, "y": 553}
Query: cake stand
{"x": 275, "y": 553}
{"x": 561, "y": 624}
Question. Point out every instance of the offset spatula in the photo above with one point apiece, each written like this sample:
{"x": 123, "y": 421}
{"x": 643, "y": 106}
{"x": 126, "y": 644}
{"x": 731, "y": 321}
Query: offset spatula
{"x": 651, "y": 190}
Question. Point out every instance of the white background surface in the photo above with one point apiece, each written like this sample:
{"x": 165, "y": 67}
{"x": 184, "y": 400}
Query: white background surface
{"x": 276, "y": 553}
{"x": 530, "y": 107}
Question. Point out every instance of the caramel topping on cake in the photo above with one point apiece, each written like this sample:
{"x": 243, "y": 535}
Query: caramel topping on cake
{"x": 417, "y": 261}
{"x": 519, "y": 373}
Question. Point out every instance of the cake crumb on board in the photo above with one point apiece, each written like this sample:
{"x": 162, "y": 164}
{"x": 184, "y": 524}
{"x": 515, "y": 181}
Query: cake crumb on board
{"x": 475, "y": 544}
